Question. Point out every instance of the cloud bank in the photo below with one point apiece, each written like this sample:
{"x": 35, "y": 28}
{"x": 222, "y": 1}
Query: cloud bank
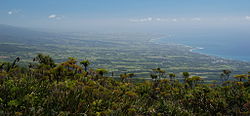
{"x": 247, "y": 18}
{"x": 150, "y": 19}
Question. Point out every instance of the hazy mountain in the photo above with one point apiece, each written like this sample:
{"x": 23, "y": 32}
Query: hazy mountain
{"x": 23, "y": 35}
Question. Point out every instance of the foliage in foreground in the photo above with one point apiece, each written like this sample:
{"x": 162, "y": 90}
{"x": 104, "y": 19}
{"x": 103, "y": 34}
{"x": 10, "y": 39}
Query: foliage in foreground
{"x": 46, "y": 88}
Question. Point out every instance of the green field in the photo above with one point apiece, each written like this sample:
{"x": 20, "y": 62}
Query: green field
{"x": 116, "y": 52}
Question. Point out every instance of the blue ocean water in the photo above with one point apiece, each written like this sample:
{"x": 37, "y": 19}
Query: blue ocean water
{"x": 234, "y": 46}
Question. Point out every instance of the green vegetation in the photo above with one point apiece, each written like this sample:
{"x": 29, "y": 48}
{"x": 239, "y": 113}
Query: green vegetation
{"x": 117, "y": 52}
{"x": 48, "y": 88}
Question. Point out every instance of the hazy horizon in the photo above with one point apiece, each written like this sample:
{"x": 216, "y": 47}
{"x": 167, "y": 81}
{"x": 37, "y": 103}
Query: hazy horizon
{"x": 127, "y": 16}
{"x": 194, "y": 22}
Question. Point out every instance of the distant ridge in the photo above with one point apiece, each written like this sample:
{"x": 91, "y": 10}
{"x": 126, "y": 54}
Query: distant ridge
{"x": 14, "y": 30}
{"x": 23, "y": 35}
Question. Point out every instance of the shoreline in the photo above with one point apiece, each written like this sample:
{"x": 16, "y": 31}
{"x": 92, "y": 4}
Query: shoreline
{"x": 196, "y": 50}
{"x": 190, "y": 48}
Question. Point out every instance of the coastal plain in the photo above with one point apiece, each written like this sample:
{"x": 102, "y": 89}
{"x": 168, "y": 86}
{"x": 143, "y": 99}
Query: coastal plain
{"x": 117, "y": 52}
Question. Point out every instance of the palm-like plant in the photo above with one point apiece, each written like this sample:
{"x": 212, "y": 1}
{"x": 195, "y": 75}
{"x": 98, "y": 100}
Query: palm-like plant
{"x": 85, "y": 64}
{"x": 130, "y": 75}
{"x": 225, "y": 75}
{"x": 1, "y": 66}
{"x": 11, "y": 66}
{"x": 15, "y": 61}
{"x": 153, "y": 76}
{"x": 159, "y": 72}
{"x": 43, "y": 59}
{"x": 171, "y": 76}
{"x": 193, "y": 80}
{"x": 124, "y": 77}
{"x": 101, "y": 71}
{"x": 58, "y": 72}
{"x": 185, "y": 74}
{"x": 71, "y": 65}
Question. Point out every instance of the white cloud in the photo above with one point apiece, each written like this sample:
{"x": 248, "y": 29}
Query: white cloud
{"x": 54, "y": 16}
{"x": 158, "y": 19}
{"x": 247, "y": 18}
{"x": 161, "y": 19}
{"x": 10, "y": 12}
{"x": 141, "y": 20}
{"x": 196, "y": 19}
{"x": 150, "y": 19}
{"x": 166, "y": 20}
{"x": 174, "y": 20}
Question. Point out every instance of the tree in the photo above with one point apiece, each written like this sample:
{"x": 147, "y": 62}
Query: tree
{"x": 193, "y": 80}
{"x": 6, "y": 66}
{"x": 185, "y": 76}
{"x": 124, "y": 76}
{"x": 15, "y": 61}
{"x": 85, "y": 64}
{"x": 153, "y": 76}
{"x": 1, "y": 66}
{"x": 11, "y": 66}
{"x": 225, "y": 75}
{"x": 45, "y": 59}
{"x": 240, "y": 77}
{"x": 58, "y": 73}
{"x": 101, "y": 71}
{"x": 159, "y": 72}
{"x": 171, "y": 76}
{"x": 130, "y": 75}
{"x": 71, "y": 65}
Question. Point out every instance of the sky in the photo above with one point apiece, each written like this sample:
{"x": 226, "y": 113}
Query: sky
{"x": 127, "y": 15}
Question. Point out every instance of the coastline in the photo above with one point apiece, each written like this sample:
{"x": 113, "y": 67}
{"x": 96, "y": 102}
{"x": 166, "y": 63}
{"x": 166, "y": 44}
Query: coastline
{"x": 190, "y": 48}
{"x": 196, "y": 50}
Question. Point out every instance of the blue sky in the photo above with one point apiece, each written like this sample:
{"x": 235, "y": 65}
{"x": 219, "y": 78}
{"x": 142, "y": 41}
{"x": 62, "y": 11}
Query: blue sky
{"x": 73, "y": 15}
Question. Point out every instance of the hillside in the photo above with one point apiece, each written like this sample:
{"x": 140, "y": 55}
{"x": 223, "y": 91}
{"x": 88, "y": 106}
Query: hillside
{"x": 46, "y": 88}
{"x": 124, "y": 58}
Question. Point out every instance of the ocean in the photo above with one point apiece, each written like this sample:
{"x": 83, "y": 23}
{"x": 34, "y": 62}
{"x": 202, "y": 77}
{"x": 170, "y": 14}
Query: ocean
{"x": 235, "y": 46}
